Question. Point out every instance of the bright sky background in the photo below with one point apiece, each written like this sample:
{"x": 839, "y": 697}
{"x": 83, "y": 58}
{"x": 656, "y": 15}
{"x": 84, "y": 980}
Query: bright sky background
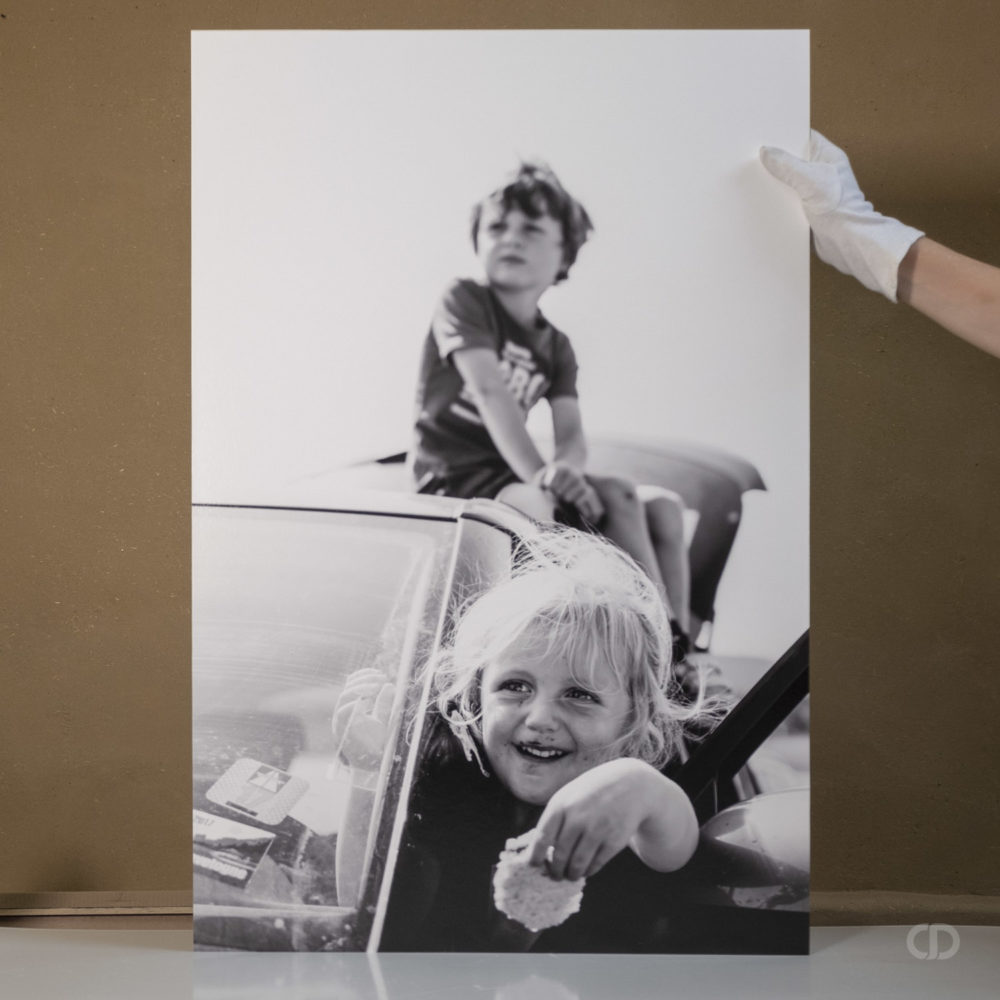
{"x": 333, "y": 173}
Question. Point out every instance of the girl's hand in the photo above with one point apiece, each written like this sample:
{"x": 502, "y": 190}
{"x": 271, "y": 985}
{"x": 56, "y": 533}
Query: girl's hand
{"x": 361, "y": 718}
{"x": 622, "y": 803}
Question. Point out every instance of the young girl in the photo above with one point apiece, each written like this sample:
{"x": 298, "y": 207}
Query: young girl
{"x": 550, "y": 714}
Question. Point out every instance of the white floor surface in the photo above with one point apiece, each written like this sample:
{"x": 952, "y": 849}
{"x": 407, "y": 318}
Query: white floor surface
{"x": 865, "y": 962}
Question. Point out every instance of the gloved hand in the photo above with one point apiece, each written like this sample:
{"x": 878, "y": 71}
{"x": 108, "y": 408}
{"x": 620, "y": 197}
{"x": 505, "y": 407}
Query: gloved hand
{"x": 847, "y": 231}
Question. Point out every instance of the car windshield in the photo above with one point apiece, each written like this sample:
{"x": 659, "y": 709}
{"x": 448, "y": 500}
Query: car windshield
{"x": 287, "y": 604}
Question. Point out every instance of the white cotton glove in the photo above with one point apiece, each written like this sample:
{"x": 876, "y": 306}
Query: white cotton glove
{"x": 847, "y": 231}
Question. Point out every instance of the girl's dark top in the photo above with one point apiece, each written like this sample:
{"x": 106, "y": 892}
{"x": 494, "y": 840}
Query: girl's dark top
{"x": 442, "y": 894}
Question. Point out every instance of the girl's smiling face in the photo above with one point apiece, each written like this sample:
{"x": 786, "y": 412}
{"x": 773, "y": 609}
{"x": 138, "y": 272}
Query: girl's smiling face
{"x": 542, "y": 726}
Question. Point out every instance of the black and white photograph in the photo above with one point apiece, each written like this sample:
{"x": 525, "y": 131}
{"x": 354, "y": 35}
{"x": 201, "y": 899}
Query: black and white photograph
{"x": 500, "y": 443}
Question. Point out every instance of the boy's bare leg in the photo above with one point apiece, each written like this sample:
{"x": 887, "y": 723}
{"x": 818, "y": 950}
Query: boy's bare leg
{"x": 626, "y": 525}
{"x": 665, "y": 520}
{"x": 530, "y": 500}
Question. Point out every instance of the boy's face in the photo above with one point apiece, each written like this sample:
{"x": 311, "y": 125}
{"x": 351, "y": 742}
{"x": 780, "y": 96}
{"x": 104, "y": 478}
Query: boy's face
{"x": 517, "y": 252}
{"x": 542, "y": 727}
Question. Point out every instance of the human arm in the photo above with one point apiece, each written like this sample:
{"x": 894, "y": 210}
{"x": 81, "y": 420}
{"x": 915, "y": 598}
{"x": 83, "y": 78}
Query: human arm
{"x": 567, "y": 432}
{"x": 566, "y": 477}
{"x": 959, "y": 293}
{"x": 503, "y": 418}
{"x": 621, "y": 803}
{"x": 500, "y": 412}
{"x": 359, "y": 726}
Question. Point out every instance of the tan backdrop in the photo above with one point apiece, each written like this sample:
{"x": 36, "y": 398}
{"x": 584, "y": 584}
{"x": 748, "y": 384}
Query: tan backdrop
{"x": 95, "y": 597}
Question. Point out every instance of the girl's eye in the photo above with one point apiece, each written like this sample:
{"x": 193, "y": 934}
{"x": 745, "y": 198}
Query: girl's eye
{"x": 515, "y": 686}
{"x": 579, "y": 694}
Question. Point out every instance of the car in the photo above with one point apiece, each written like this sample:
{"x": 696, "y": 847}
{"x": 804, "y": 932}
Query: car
{"x": 710, "y": 481}
{"x": 288, "y": 601}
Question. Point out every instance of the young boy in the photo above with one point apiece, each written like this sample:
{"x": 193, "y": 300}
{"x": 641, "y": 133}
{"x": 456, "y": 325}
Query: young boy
{"x": 491, "y": 355}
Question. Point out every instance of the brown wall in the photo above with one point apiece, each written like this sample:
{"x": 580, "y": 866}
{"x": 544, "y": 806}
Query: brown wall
{"x": 95, "y": 252}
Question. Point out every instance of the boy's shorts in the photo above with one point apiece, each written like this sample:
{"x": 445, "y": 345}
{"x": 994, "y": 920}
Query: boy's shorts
{"x": 479, "y": 481}
{"x": 487, "y": 481}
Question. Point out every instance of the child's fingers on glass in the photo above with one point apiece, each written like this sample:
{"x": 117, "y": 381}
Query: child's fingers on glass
{"x": 342, "y": 716}
{"x": 346, "y": 706}
{"x": 383, "y": 703}
{"x": 360, "y": 702}
{"x": 364, "y": 677}
{"x": 359, "y": 738}
{"x": 365, "y": 692}
{"x": 369, "y": 687}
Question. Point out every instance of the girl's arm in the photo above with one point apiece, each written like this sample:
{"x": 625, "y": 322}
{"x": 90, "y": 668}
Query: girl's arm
{"x": 502, "y": 416}
{"x": 669, "y": 835}
{"x": 622, "y": 803}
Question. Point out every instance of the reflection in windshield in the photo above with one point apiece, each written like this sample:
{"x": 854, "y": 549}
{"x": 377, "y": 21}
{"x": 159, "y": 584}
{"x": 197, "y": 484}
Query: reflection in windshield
{"x": 287, "y": 604}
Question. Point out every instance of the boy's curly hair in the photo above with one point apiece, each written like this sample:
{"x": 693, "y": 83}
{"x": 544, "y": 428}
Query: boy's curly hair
{"x": 535, "y": 190}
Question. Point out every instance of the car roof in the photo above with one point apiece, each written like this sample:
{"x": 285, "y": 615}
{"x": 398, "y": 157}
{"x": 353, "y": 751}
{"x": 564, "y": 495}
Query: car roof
{"x": 435, "y": 508}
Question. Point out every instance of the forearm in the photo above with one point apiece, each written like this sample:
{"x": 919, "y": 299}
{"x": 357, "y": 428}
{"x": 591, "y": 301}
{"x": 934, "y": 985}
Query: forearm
{"x": 572, "y": 450}
{"x": 668, "y": 836}
{"x": 960, "y": 293}
{"x": 504, "y": 420}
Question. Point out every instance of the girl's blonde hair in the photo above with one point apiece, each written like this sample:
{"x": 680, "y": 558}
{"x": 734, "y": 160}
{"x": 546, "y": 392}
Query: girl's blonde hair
{"x": 576, "y": 598}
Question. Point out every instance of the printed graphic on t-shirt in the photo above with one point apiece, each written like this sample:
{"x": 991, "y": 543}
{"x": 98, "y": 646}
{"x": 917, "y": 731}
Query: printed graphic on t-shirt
{"x": 520, "y": 374}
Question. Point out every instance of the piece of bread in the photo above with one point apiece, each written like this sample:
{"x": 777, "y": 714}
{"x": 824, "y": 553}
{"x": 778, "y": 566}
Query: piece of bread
{"x": 525, "y": 893}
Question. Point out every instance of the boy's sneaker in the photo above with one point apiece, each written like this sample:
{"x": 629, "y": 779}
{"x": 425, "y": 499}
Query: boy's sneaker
{"x": 681, "y": 641}
{"x": 704, "y": 638}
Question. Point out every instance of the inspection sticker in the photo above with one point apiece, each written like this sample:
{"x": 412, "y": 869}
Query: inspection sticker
{"x": 258, "y": 790}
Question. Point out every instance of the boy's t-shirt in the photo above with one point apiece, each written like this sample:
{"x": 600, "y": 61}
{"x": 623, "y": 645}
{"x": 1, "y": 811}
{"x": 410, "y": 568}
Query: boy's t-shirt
{"x": 536, "y": 363}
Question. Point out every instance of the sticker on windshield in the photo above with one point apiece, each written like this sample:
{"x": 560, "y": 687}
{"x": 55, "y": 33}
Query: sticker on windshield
{"x": 228, "y": 851}
{"x": 258, "y": 790}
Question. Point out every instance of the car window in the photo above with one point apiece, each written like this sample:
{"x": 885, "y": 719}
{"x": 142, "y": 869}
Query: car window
{"x": 782, "y": 760}
{"x": 482, "y": 557}
{"x": 286, "y": 606}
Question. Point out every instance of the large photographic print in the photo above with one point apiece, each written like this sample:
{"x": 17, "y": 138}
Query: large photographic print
{"x": 500, "y": 445}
